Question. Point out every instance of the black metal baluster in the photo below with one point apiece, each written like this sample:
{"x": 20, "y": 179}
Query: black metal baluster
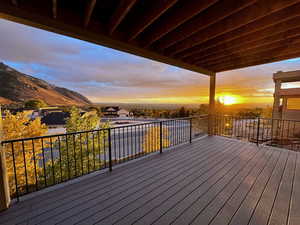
{"x": 105, "y": 132}
{"x": 123, "y": 144}
{"x": 25, "y": 166}
{"x": 74, "y": 152}
{"x": 81, "y": 155}
{"x": 87, "y": 152}
{"x": 68, "y": 159}
{"x": 109, "y": 150}
{"x": 99, "y": 149}
{"x": 44, "y": 164}
{"x": 52, "y": 162}
{"x": 60, "y": 161}
{"x": 15, "y": 170}
{"x": 94, "y": 154}
{"x": 35, "y": 170}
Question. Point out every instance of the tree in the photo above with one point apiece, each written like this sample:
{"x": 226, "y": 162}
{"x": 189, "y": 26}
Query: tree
{"x": 79, "y": 152}
{"x": 182, "y": 112}
{"x": 35, "y": 104}
{"x": 152, "y": 139}
{"x": 24, "y": 155}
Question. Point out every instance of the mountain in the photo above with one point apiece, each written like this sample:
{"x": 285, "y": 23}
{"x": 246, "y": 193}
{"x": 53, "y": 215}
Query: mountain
{"x": 16, "y": 87}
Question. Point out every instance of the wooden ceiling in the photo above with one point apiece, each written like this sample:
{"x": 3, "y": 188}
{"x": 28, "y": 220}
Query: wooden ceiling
{"x": 206, "y": 36}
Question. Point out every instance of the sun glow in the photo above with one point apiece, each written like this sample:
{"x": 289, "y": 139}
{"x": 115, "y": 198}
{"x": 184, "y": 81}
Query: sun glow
{"x": 229, "y": 99}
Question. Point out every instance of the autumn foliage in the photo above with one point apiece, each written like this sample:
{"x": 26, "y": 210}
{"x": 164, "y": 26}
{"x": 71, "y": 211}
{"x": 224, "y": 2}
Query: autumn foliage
{"x": 153, "y": 138}
{"x": 24, "y": 155}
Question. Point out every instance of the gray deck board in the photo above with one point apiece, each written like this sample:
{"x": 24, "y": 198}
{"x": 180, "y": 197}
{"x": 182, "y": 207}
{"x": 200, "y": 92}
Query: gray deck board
{"x": 294, "y": 215}
{"x": 244, "y": 213}
{"x": 211, "y": 181}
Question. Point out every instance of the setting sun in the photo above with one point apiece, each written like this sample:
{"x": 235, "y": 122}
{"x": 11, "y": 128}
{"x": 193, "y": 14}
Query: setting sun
{"x": 228, "y": 99}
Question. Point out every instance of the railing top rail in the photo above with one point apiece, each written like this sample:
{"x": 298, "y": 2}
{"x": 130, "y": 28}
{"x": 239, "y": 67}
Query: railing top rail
{"x": 90, "y": 131}
{"x": 255, "y": 117}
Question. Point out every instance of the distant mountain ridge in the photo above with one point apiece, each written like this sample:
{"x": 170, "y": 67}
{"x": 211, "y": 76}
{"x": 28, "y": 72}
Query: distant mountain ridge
{"x": 16, "y": 87}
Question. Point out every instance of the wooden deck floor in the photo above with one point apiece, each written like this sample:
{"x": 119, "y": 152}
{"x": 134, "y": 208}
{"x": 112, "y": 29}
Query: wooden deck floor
{"x": 212, "y": 181}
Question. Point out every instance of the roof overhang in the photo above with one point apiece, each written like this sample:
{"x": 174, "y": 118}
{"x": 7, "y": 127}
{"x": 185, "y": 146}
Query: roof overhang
{"x": 203, "y": 36}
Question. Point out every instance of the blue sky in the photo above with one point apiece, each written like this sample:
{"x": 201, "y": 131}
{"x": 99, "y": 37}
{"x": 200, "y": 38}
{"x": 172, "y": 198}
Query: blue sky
{"x": 107, "y": 75}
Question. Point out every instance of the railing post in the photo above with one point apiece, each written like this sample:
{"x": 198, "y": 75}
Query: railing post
{"x": 257, "y": 135}
{"x": 109, "y": 150}
{"x": 4, "y": 187}
{"x": 191, "y": 130}
{"x": 160, "y": 136}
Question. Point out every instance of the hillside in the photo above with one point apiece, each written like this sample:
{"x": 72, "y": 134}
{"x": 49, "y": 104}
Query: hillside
{"x": 17, "y": 87}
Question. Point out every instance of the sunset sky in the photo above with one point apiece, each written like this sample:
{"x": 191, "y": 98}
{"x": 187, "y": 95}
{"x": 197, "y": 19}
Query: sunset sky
{"x": 107, "y": 75}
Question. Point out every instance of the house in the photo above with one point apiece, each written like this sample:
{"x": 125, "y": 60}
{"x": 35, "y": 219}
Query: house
{"x": 123, "y": 113}
{"x": 55, "y": 119}
{"x": 286, "y": 100}
{"x": 46, "y": 110}
{"x": 115, "y": 111}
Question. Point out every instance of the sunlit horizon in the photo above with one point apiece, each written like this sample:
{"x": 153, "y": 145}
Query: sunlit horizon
{"x": 109, "y": 76}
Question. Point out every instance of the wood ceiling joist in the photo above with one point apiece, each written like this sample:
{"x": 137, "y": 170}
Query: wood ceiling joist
{"x": 267, "y": 21}
{"x": 272, "y": 34}
{"x": 284, "y": 50}
{"x": 256, "y": 62}
{"x": 120, "y": 13}
{"x": 175, "y": 18}
{"x": 253, "y": 51}
{"x": 54, "y": 9}
{"x": 202, "y": 21}
{"x": 149, "y": 17}
{"x": 89, "y": 11}
{"x": 247, "y": 15}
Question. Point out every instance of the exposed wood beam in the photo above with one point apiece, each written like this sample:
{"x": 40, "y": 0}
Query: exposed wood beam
{"x": 247, "y": 15}
{"x": 252, "y": 51}
{"x": 222, "y": 8}
{"x": 257, "y": 39}
{"x": 89, "y": 11}
{"x": 151, "y": 14}
{"x": 267, "y": 21}
{"x": 295, "y": 54}
{"x": 264, "y": 56}
{"x": 175, "y": 18}
{"x": 285, "y": 29}
{"x": 54, "y": 9}
{"x": 120, "y": 13}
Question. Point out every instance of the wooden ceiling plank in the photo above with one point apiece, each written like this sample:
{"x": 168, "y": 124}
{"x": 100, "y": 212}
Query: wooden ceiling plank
{"x": 253, "y": 51}
{"x": 176, "y": 17}
{"x": 54, "y": 9}
{"x": 247, "y": 15}
{"x": 257, "y": 39}
{"x": 150, "y": 16}
{"x": 270, "y": 20}
{"x": 258, "y": 62}
{"x": 222, "y": 8}
{"x": 89, "y": 11}
{"x": 120, "y": 13}
{"x": 275, "y": 52}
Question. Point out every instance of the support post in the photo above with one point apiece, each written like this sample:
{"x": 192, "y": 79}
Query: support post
{"x": 4, "y": 187}
{"x": 212, "y": 93}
